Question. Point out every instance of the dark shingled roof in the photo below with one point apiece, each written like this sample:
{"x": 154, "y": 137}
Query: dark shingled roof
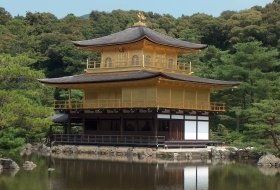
{"x": 132, "y": 75}
{"x": 135, "y": 34}
{"x": 60, "y": 117}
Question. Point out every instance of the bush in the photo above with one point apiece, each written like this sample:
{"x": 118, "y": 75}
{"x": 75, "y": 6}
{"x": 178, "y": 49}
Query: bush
{"x": 11, "y": 140}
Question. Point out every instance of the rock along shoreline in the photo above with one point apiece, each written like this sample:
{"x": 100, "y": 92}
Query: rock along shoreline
{"x": 141, "y": 154}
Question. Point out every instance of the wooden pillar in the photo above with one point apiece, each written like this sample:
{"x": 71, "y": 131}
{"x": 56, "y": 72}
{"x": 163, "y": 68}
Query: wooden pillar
{"x": 122, "y": 123}
{"x": 65, "y": 128}
{"x": 143, "y": 58}
{"x": 155, "y": 125}
{"x": 68, "y": 130}
{"x": 83, "y": 123}
{"x": 69, "y": 98}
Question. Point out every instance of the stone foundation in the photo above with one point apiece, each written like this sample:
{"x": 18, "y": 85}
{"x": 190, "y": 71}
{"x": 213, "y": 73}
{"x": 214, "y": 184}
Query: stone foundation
{"x": 216, "y": 154}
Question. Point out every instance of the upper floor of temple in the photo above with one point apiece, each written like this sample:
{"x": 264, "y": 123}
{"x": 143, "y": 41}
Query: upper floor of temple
{"x": 138, "y": 47}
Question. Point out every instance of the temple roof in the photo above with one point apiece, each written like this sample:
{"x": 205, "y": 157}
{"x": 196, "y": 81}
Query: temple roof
{"x": 131, "y": 76}
{"x": 135, "y": 34}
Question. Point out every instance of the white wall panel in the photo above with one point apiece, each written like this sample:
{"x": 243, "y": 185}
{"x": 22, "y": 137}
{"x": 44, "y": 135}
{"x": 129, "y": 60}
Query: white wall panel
{"x": 163, "y": 116}
{"x": 205, "y": 118}
{"x": 203, "y": 130}
{"x": 190, "y": 117}
{"x": 190, "y": 130}
{"x": 177, "y": 117}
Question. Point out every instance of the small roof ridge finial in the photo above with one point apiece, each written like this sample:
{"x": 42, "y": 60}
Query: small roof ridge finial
{"x": 141, "y": 21}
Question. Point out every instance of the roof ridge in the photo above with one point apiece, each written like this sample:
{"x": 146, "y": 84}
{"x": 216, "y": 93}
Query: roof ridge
{"x": 134, "y": 34}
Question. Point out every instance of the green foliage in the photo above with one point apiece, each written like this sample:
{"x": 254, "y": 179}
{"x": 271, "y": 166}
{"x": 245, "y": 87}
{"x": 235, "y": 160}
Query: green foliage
{"x": 11, "y": 140}
{"x": 24, "y": 113}
{"x": 264, "y": 123}
{"x": 243, "y": 46}
{"x": 4, "y": 16}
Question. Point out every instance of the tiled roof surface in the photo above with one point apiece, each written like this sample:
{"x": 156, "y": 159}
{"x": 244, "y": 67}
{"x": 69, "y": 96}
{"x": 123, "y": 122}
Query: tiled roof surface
{"x": 130, "y": 76}
{"x": 135, "y": 34}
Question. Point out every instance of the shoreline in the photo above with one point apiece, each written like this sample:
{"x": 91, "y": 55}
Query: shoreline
{"x": 143, "y": 154}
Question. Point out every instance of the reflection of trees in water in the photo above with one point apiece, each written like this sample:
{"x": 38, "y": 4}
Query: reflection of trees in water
{"x": 241, "y": 176}
{"x": 120, "y": 175}
{"x": 124, "y": 175}
{"x": 82, "y": 174}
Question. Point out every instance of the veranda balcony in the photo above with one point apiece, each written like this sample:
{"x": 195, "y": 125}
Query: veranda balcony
{"x": 125, "y": 65}
{"x": 121, "y": 104}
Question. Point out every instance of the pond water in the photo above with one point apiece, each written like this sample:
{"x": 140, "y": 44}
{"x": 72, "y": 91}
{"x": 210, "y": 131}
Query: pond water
{"x": 103, "y": 175}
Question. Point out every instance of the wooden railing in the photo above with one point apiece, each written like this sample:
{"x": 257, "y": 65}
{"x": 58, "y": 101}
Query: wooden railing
{"x": 66, "y": 104}
{"x": 218, "y": 106}
{"x": 93, "y": 66}
{"x": 118, "y": 103}
{"x": 108, "y": 139}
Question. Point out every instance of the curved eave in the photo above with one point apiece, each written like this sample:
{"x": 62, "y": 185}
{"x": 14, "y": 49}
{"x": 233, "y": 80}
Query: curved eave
{"x": 197, "y": 80}
{"x": 135, "y": 34}
{"x": 49, "y": 82}
{"x": 135, "y": 76}
{"x": 137, "y": 40}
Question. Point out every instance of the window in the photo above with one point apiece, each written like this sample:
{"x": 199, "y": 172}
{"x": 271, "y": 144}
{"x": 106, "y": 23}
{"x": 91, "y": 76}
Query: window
{"x": 135, "y": 60}
{"x": 160, "y": 60}
{"x": 108, "y": 62}
{"x": 148, "y": 60}
{"x": 122, "y": 59}
{"x": 170, "y": 64}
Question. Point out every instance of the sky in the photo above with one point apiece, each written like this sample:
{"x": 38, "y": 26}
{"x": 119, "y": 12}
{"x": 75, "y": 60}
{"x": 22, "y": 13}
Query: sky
{"x": 61, "y": 8}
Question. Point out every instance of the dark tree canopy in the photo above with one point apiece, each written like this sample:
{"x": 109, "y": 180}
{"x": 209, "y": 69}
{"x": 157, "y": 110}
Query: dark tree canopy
{"x": 243, "y": 46}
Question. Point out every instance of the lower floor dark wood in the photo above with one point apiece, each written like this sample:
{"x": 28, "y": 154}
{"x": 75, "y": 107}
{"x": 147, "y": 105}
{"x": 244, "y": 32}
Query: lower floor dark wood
{"x": 152, "y": 128}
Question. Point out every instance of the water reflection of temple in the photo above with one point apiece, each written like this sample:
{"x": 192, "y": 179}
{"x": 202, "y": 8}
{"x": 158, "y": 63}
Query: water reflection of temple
{"x": 196, "y": 178}
{"x": 123, "y": 175}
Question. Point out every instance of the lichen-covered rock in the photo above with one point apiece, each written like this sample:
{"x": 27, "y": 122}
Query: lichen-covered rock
{"x": 28, "y": 165}
{"x": 8, "y": 164}
{"x": 269, "y": 160}
{"x": 69, "y": 149}
{"x": 141, "y": 155}
{"x": 204, "y": 155}
{"x": 87, "y": 149}
{"x": 112, "y": 151}
{"x": 57, "y": 149}
{"x": 103, "y": 151}
{"x": 1, "y": 168}
{"x": 149, "y": 152}
{"x": 43, "y": 149}
{"x": 26, "y": 149}
{"x": 129, "y": 152}
{"x": 220, "y": 153}
{"x": 188, "y": 156}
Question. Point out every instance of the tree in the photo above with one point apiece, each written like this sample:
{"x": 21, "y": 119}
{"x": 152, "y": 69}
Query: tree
{"x": 253, "y": 65}
{"x": 4, "y": 16}
{"x": 24, "y": 102}
{"x": 264, "y": 122}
